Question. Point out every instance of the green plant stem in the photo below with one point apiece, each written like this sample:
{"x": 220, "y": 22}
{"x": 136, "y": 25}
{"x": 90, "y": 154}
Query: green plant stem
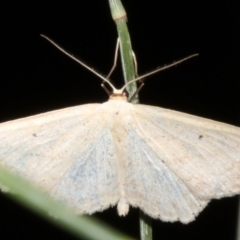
{"x": 145, "y": 226}
{"x": 238, "y": 221}
{"x": 120, "y": 17}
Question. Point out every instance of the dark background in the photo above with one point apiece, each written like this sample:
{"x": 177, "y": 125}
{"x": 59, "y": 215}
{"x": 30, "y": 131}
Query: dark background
{"x": 36, "y": 77}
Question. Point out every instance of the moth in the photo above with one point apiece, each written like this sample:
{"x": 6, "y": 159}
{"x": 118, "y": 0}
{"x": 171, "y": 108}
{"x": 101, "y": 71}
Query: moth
{"x": 93, "y": 156}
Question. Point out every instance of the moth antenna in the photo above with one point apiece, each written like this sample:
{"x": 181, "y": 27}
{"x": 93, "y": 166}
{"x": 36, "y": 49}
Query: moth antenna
{"x": 119, "y": 91}
{"x": 80, "y": 62}
{"x": 158, "y": 70}
{"x": 106, "y": 90}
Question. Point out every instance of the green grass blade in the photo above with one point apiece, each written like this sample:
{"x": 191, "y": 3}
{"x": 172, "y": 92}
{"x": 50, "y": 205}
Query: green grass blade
{"x": 120, "y": 18}
{"x": 81, "y": 226}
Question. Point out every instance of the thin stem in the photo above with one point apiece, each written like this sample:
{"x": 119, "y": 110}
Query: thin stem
{"x": 145, "y": 226}
{"x": 238, "y": 221}
{"x": 120, "y": 17}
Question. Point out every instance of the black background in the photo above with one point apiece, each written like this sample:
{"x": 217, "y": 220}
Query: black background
{"x": 36, "y": 77}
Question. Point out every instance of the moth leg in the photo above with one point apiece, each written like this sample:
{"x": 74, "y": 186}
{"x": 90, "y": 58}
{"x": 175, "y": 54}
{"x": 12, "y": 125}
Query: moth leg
{"x": 115, "y": 59}
{"x": 136, "y": 92}
{"x": 135, "y": 64}
{"x": 113, "y": 68}
{"x": 136, "y": 75}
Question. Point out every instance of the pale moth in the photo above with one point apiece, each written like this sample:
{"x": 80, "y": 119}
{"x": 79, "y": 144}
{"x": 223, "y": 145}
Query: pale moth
{"x": 93, "y": 156}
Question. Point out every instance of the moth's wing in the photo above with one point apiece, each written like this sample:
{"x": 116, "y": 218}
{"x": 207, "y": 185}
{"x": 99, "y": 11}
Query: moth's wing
{"x": 177, "y": 162}
{"x": 63, "y": 153}
{"x": 152, "y": 186}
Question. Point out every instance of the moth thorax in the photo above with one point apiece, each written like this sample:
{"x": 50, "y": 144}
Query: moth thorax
{"x": 118, "y": 96}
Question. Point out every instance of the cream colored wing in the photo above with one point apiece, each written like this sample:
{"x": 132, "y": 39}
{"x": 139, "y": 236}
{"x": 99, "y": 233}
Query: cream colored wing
{"x": 177, "y": 162}
{"x": 69, "y": 153}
